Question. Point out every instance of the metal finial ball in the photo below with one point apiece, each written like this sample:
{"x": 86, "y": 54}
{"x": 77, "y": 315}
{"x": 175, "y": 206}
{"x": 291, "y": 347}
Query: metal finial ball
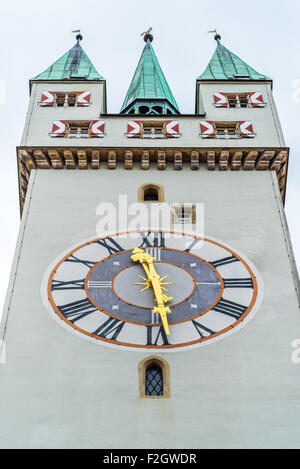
{"x": 148, "y": 37}
{"x": 217, "y": 37}
{"x": 79, "y": 37}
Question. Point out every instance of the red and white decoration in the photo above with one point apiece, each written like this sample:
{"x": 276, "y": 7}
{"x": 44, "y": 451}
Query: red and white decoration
{"x": 47, "y": 98}
{"x": 58, "y": 129}
{"x": 257, "y": 99}
{"x": 97, "y": 128}
{"x": 83, "y": 98}
{"x": 220, "y": 100}
{"x": 246, "y": 129}
{"x": 172, "y": 129}
{"x": 207, "y": 129}
{"x": 133, "y": 129}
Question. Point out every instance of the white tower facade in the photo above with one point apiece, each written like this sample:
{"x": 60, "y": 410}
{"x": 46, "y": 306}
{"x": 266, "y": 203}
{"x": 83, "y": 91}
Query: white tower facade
{"x": 90, "y": 364}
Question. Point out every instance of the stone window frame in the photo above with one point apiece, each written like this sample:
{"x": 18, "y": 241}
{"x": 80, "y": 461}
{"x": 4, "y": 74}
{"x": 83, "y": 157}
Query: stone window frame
{"x": 177, "y": 208}
{"x": 165, "y": 368}
{"x": 151, "y": 185}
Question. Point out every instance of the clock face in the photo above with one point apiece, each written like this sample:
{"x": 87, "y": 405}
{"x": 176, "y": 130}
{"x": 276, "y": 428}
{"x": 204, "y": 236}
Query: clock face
{"x": 99, "y": 292}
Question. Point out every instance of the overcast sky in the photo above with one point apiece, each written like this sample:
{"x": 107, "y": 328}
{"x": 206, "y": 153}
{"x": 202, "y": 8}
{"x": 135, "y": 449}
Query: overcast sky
{"x": 35, "y": 33}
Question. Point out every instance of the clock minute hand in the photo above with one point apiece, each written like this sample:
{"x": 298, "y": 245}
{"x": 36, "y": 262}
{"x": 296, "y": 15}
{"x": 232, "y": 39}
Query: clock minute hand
{"x": 155, "y": 279}
{"x": 161, "y": 298}
{"x": 147, "y": 262}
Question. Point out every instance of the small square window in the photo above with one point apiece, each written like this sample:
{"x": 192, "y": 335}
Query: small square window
{"x": 227, "y": 130}
{"x": 65, "y": 99}
{"x": 183, "y": 214}
{"x": 239, "y": 100}
{"x": 153, "y": 129}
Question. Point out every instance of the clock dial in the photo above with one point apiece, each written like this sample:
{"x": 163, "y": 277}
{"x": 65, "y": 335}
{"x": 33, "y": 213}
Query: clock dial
{"x": 97, "y": 291}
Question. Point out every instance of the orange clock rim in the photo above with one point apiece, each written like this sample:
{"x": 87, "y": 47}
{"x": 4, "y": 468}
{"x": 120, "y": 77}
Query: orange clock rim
{"x": 140, "y": 346}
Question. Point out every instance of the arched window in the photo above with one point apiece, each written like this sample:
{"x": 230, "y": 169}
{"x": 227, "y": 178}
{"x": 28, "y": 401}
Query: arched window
{"x": 154, "y": 381}
{"x": 158, "y": 109}
{"x": 151, "y": 193}
{"x": 154, "y": 378}
{"x": 144, "y": 110}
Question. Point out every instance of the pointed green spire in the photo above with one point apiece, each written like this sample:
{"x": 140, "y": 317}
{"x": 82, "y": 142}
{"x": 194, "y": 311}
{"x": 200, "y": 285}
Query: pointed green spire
{"x": 73, "y": 65}
{"x": 225, "y": 65}
{"x": 149, "y": 88}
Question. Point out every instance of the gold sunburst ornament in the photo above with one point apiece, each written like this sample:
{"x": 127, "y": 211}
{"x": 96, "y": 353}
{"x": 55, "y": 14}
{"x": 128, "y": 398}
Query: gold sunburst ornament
{"x": 147, "y": 283}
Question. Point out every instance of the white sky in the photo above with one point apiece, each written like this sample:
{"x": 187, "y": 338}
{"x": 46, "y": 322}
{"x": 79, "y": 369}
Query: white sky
{"x": 35, "y": 33}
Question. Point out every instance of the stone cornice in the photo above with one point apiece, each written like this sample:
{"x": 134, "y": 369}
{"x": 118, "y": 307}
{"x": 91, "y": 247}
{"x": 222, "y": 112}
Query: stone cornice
{"x": 212, "y": 159}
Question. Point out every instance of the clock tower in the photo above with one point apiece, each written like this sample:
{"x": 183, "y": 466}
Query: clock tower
{"x": 173, "y": 331}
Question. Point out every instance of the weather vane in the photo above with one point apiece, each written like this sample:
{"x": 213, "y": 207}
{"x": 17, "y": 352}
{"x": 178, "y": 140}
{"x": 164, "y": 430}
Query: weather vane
{"x": 146, "y": 32}
{"x": 147, "y": 35}
{"x": 217, "y": 36}
{"x": 79, "y": 36}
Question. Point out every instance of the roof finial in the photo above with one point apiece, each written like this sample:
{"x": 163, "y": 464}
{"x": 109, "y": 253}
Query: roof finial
{"x": 79, "y": 36}
{"x": 217, "y": 36}
{"x": 147, "y": 35}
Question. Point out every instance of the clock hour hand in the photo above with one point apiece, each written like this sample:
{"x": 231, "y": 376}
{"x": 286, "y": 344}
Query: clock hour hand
{"x": 144, "y": 258}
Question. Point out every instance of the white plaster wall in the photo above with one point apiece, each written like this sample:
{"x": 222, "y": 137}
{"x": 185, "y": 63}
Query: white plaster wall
{"x": 39, "y": 119}
{"x": 61, "y": 391}
{"x": 265, "y": 121}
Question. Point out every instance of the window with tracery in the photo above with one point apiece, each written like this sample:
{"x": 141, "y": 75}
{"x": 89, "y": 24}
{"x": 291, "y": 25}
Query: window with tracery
{"x": 154, "y": 381}
{"x": 154, "y": 378}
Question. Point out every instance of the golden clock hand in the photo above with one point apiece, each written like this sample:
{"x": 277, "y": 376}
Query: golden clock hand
{"x": 155, "y": 279}
{"x": 147, "y": 262}
{"x": 162, "y": 311}
{"x": 143, "y": 257}
{"x": 161, "y": 298}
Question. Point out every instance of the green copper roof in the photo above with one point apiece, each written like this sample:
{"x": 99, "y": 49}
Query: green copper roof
{"x": 224, "y": 65}
{"x": 75, "y": 64}
{"x": 149, "y": 81}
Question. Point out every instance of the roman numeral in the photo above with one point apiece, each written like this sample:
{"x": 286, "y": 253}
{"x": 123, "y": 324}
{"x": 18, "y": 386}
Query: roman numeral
{"x": 110, "y": 326}
{"x": 229, "y": 308}
{"x": 99, "y": 284}
{"x": 238, "y": 283}
{"x": 224, "y": 261}
{"x": 193, "y": 244}
{"x": 160, "y": 334}
{"x": 77, "y": 310}
{"x": 111, "y": 245}
{"x": 88, "y": 264}
{"x": 71, "y": 285}
{"x": 199, "y": 328}
{"x": 158, "y": 240}
{"x": 154, "y": 252}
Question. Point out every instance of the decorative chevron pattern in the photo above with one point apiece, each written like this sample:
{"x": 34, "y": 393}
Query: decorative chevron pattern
{"x": 83, "y": 98}
{"x": 133, "y": 128}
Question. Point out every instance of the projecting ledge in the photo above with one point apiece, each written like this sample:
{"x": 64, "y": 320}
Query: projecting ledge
{"x": 212, "y": 159}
